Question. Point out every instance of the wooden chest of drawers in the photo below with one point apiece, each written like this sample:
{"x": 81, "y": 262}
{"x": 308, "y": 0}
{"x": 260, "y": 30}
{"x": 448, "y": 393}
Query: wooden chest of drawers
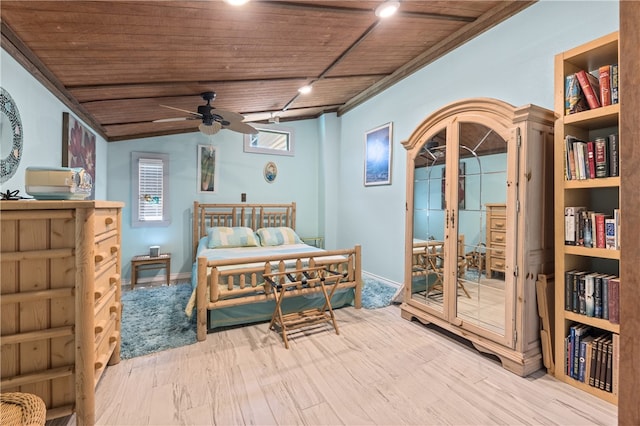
{"x": 496, "y": 238}
{"x": 60, "y": 287}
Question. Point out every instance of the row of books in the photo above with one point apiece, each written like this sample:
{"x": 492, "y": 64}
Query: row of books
{"x": 593, "y": 357}
{"x": 589, "y": 90}
{"x": 591, "y": 159}
{"x": 591, "y": 229}
{"x": 592, "y": 294}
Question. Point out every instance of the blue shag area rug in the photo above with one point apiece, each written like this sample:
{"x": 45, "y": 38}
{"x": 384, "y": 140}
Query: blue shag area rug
{"x": 376, "y": 294}
{"x": 153, "y": 320}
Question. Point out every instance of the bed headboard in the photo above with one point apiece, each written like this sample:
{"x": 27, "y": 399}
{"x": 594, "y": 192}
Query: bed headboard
{"x": 253, "y": 216}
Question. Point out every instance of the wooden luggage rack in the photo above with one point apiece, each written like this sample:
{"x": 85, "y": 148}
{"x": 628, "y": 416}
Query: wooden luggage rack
{"x": 283, "y": 282}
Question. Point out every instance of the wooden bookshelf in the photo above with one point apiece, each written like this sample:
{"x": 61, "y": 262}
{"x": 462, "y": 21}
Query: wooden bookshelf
{"x": 600, "y": 194}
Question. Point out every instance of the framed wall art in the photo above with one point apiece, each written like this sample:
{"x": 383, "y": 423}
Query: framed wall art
{"x": 377, "y": 163}
{"x": 79, "y": 148}
{"x": 207, "y": 169}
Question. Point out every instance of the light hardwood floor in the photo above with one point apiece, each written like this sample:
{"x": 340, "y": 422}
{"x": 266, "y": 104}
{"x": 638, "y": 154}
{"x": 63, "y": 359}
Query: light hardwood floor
{"x": 380, "y": 370}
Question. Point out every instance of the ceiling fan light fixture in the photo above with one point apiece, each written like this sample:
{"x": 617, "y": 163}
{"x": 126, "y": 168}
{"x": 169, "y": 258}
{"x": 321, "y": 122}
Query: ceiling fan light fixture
{"x": 387, "y": 9}
{"x": 305, "y": 89}
{"x": 211, "y": 129}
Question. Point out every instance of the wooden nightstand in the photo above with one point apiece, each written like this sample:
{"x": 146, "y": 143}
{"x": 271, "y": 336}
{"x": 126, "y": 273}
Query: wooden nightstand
{"x": 313, "y": 241}
{"x": 146, "y": 262}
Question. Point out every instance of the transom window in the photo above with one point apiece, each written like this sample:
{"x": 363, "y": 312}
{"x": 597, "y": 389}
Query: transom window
{"x": 270, "y": 139}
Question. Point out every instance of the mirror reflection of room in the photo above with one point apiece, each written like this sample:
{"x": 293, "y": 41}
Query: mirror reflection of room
{"x": 481, "y": 191}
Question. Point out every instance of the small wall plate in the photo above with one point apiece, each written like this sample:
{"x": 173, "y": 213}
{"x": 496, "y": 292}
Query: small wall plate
{"x": 270, "y": 171}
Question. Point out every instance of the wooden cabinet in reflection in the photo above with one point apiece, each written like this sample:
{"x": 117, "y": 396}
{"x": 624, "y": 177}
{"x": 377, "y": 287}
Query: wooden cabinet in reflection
{"x": 496, "y": 238}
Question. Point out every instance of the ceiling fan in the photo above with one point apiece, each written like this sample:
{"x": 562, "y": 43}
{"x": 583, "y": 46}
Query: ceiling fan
{"x": 213, "y": 119}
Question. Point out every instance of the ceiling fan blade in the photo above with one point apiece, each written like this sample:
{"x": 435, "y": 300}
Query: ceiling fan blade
{"x": 167, "y": 120}
{"x": 182, "y": 110}
{"x": 241, "y": 127}
{"x": 227, "y": 115}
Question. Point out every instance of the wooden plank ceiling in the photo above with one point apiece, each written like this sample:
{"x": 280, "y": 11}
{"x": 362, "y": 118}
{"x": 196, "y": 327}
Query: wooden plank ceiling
{"x": 114, "y": 62}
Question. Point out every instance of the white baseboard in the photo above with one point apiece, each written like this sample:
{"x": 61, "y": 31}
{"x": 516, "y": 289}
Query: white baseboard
{"x": 379, "y": 278}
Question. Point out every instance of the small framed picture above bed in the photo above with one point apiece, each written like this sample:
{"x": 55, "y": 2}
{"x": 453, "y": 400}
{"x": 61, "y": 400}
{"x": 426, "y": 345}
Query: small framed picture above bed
{"x": 377, "y": 155}
{"x": 207, "y": 169}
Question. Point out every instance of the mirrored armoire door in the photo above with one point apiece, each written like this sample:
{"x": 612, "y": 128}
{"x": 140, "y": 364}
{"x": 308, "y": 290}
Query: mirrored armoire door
{"x": 467, "y": 244}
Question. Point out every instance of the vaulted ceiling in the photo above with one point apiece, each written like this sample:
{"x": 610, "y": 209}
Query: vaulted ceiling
{"x": 113, "y": 63}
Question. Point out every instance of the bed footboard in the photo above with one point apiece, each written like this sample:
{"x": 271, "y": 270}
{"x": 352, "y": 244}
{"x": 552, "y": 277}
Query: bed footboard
{"x": 234, "y": 282}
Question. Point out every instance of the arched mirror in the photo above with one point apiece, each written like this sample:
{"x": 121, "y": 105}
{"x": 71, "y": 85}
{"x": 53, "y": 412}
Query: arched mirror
{"x": 482, "y": 227}
{"x": 428, "y": 268}
{"x": 11, "y": 136}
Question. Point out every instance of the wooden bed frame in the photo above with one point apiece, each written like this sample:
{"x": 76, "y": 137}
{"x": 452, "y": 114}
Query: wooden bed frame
{"x": 243, "y": 277}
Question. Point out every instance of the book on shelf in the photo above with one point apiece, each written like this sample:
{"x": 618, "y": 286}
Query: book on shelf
{"x": 605, "y": 296}
{"x": 614, "y": 300}
{"x": 570, "y": 225}
{"x": 597, "y": 295}
{"x": 575, "y": 291}
{"x": 583, "y": 363}
{"x": 587, "y": 218}
{"x": 571, "y": 171}
{"x": 604, "y": 80}
{"x": 603, "y": 362}
{"x": 574, "y": 100}
{"x": 598, "y": 361}
{"x": 609, "y": 369}
{"x": 601, "y": 167}
{"x": 582, "y": 301}
{"x": 589, "y": 296}
{"x": 577, "y": 333}
{"x": 568, "y": 289}
{"x": 615, "y": 343}
{"x": 600, "y": 230}
{"x": 590, "y": 87}
{"x": 614, "y": 84}
{"x": 591, "y": 160}
{"x": 611, "y": 237}
{"x": 613, "y": 155}
{"x": 594, "y": 360}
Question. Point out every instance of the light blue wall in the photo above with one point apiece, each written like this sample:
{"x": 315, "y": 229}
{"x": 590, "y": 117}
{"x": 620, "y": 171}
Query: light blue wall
{"x": 238, "y": 172}
{"x": 512, "y": 62}
{"x": 41, "y": 115}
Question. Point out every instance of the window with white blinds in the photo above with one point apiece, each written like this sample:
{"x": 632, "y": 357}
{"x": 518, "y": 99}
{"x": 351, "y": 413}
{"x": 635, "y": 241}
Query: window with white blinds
{"x": 150, "y": 191}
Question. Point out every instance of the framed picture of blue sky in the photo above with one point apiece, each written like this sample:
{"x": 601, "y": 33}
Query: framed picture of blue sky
{"x": 377, "y": 155}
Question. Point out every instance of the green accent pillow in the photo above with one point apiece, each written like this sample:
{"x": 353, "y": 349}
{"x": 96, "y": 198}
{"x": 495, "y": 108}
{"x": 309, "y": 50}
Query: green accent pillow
{"x": 226, "y": 237}
{"x": 277, "y": 236}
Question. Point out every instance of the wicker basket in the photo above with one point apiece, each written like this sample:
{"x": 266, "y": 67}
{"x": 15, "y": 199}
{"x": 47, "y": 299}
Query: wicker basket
{"x": 25, "y": 409}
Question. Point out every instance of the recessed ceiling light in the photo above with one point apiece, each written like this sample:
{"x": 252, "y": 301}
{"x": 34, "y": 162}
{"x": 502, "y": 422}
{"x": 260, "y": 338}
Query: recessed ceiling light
{"x": 387, "y": 9}
{"x": 236, "y": 2}
{"x": 305, "y": 89}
